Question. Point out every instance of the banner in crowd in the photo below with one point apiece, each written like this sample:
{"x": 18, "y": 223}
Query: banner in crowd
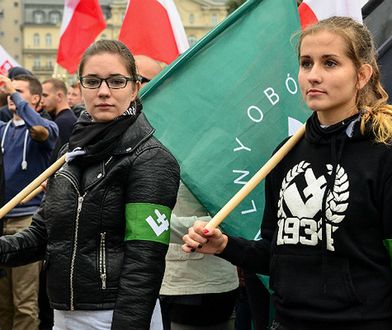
{"x": 154, "y": 28}
{"x": 82, "y": 21}
{"x": 311, "y": 11}
{"x": 6, "y": 61}
{"x": 225, "y": 104}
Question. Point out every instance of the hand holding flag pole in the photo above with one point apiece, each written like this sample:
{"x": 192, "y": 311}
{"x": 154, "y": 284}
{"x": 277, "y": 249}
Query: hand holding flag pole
{"x": 255, "y": 180}
{"x": 32, "y": 187}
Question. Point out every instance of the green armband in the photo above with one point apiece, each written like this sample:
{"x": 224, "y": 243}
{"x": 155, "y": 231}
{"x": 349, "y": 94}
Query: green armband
{"x": 388, "y": 245}
{"x": 147, "y": 222}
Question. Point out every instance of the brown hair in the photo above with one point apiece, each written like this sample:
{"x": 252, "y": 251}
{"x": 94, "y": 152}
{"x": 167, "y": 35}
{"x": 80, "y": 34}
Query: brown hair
{"x": 75, "y": 85}
{"x": 35, "y": 86}
{"x": 372, "y": 98}
{"x": 57, "y": 84}
{"x": 111, "y": 47}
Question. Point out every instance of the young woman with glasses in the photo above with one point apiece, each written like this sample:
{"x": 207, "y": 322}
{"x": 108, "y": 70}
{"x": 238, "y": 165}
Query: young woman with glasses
{"x": 103, "y": 229}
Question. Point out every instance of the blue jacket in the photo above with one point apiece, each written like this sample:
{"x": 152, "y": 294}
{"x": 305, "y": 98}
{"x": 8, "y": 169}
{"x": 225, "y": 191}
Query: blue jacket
{"x": 24, "y": 158}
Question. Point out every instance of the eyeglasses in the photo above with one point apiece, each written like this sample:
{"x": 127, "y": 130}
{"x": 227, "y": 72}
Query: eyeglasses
{"x": 143, "y": 80}
{"x": 115, "y": 82}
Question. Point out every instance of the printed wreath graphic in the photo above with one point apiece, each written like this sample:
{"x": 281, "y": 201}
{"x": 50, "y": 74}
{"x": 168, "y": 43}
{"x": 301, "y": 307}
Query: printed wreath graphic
{"x": 337, "y": 198}
{"x": 290, "y": 176}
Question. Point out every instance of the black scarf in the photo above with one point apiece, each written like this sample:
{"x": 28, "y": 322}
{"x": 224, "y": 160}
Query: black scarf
{"x": 98, "y": 139}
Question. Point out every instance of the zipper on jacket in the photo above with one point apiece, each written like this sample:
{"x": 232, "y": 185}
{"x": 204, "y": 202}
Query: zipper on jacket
{"x": 75, "y": 245}
{"x": 102, "y": 260}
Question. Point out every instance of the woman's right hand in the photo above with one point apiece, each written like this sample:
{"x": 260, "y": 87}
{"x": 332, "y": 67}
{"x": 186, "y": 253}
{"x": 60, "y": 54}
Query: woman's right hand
{"x": 200, "y": 239}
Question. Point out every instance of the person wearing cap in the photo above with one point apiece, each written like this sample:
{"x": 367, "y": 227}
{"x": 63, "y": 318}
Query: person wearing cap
{"x": 27, "y": 142}
{"x": 5, "y": 113}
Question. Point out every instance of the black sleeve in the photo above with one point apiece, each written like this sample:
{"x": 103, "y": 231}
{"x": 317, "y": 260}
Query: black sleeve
{"x": 26, "y": 246}
{"x": 154, "y": 179}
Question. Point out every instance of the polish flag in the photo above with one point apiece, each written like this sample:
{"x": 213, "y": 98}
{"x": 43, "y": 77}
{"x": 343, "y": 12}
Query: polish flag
{"x": 6, "y": 61}
{"x": 154, "y": 28}
{"x": 83, "y": 20}
{"x": 311, "y": 11}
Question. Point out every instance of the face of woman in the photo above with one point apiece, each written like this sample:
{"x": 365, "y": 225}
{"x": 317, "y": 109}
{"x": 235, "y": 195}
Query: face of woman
{"x": 104, "y": 103}
{"x": 327, "y": 77}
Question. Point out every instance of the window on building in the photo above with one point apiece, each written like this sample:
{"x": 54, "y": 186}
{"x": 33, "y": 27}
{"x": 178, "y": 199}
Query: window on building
{"x": 16, "y": 22}
{"x": 49, "y": 62}
{"x": 192, "y": 40}
{"x": 36, "y": 39}
{"x": 39, "y": 17}
{"x": 1, "y": 33}
{"x": 191, "y": 19}
{"x": 54, "y": 17}
{"x": 48, "y": 40}
{"x": 16, "y": 4}
{"x": 16, "y": 39}
{"x": 214, "y": 19}
{"x": 37, "y": 61}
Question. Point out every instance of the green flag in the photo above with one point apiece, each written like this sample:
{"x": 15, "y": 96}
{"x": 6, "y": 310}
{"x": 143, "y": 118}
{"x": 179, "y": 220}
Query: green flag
{"x": 224, "y": 106}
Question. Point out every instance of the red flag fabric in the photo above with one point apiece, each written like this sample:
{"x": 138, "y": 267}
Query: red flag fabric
{"x": 83, "y": 20}
{"x": 311, "y": 11}
{"x": 6, "y": 61}
{"x": 154, "y": 28}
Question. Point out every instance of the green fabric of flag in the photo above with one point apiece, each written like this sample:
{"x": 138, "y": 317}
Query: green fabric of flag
{"x": 224, "y": 106}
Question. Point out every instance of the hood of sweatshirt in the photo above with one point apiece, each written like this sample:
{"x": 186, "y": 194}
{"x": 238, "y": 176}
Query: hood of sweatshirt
{"x": 347, "y": 128}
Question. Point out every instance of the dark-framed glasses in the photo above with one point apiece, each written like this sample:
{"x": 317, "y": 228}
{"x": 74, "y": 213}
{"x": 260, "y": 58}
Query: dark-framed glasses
{"x": 143, "y": 80}
{"x": 114, "y": 82}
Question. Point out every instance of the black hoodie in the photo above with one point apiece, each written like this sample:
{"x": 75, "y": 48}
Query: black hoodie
{"x": 328, "y": 211}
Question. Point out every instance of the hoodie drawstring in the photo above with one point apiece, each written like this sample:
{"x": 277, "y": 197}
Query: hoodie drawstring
{"x": 335, "y": 158}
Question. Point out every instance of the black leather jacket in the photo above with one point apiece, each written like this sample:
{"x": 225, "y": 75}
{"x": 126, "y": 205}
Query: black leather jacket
{"x": 80, "y": 230}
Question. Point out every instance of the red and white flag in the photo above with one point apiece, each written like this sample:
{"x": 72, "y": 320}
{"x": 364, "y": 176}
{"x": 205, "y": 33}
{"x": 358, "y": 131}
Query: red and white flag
{"x": 6, "y": 61}
{"x": 154, "y": 28}
{"x": 83, "y": 20}
{"x": 311, "y": 11}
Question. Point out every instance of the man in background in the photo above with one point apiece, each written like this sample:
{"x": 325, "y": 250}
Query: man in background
{"x": 5, "y": 113}
{"x": 54, "y": 101}
{"x": 148, "y": 68}
{"x": 74, "y": 98}
{"x": 27, "y": 141}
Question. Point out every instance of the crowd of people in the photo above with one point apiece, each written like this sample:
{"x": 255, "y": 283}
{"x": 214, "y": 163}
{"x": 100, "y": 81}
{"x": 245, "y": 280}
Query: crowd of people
{"x": 118, "y": 241}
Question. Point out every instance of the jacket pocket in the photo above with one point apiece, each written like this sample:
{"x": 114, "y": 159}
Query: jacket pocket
{"x": 311, "y": 283}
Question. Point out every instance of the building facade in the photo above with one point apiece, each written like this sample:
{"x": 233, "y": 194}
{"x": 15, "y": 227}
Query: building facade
{"x": 10, "y": 27}
{"x": 30, "y": 29}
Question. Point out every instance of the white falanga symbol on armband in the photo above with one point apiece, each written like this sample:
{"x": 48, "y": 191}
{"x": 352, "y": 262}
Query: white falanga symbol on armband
{"x": 160, "y": 224}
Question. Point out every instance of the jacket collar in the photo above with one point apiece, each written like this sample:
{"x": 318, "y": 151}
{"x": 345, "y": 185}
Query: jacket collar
{"x": 135, "y": 135}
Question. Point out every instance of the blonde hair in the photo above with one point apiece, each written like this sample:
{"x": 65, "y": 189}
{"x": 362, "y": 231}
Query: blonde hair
{"x": 372, "y": 98}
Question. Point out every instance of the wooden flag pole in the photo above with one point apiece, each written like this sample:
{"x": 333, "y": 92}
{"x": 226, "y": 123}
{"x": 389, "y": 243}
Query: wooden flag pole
{"x": 35, "y": 192}
{"x": 255, "y": 180}
{"x": 32, "y": 186}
